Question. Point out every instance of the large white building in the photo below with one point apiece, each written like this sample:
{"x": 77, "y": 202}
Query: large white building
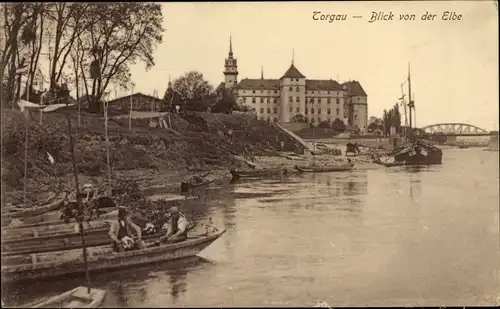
{"x": 280, "y": 100}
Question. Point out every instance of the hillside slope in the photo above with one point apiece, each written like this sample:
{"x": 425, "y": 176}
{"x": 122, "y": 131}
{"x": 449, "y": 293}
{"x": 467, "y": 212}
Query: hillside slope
{"x": 205, "y": 141}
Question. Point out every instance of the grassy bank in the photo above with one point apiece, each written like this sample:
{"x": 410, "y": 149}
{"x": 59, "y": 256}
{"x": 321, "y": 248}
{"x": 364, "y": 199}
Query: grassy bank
{"x": 204, "y": 142}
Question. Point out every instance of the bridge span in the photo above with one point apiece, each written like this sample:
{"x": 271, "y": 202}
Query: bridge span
{"x": 456, "y": 129}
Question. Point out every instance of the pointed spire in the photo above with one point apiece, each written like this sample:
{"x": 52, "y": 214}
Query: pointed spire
{"x": 261, "y": 72}
{"x": 169, "y": 82}
{"x": 230, "y": 45}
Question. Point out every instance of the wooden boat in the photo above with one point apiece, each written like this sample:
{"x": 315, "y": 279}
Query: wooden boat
{"x": 186, "y": 185}
{"x": 320, "y": 169}
{"x": 388, "y": 164}
{"x": 96, "y": 236}
{"x": 76, "y": 298}
{"x": 255, "y": 173}
{"x": 54, "y": 204}
{"x": 53, "y": 264}
{"x": 45, "y": 226}
{"x": 417, "y": 152}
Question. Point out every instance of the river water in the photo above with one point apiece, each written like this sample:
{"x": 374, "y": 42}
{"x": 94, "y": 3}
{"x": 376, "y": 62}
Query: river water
{"x": 371, "y": 237}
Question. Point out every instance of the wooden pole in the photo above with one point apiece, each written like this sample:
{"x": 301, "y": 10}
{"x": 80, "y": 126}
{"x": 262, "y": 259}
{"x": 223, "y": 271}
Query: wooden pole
{"x": 26, "y": 122}
{"x": 107, "y": 142}
{"x": 78, "y": 202}
{"x": 26, "y": 140}
{"x": 130, "y": 113}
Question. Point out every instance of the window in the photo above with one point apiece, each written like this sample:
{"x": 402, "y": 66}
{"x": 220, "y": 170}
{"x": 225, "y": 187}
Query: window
{"x": 275, "y": 110}
{"x": 328, "y": 91}
{"x": 291, "y": 88}
{"x": 319, "y": 111}
{"x": 268, "y": 110}
{"x": 306, "y": 111}
{"x": 297, "y": 99}
{"x": 275, "y": 91}
{"x": 261, "y": 110}
{"x": 275, "y": 119}
{"x": 328, "y": 111}
{"x": 319, "y": 120}
{"x": 311, "y": 100}
{"x": 338, "y": 101}
{"x": 253, "y": 100}
{"x": 312, "y": 110}
{"x": 338, "y": 111}
{"x": 355, "y": 117}
{"x": 297, "y": 89}
{"x": 275, "y": 100}
{"x": 291, "y": 109}
{"x": 297, "y": 79}
{"x": 297, "y": 109}
{"x": 290, "y": 99}
{"x": 328, "y": 101}
{"x": 253, "y": 91}
{"x": 253, "y": 109}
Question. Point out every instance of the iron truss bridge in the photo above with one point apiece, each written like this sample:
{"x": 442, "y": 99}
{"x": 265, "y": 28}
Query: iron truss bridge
{"x": 456, "y": 129}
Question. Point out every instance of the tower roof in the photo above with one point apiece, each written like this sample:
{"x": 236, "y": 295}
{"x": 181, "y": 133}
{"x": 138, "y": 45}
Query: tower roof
{"x": 293, "y": 73}
{"x": 355, "y": 88}
{"x": 230, "y": 46}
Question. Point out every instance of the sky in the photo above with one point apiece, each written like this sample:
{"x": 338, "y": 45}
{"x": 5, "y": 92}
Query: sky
{"x": 454, "y": 63}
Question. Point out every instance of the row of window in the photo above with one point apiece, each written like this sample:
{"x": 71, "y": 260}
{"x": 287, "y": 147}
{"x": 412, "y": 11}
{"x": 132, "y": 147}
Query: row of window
{"x": 297, "y": 110}
{"x": 290, "y": 100}
{"x": 297, "y": 89}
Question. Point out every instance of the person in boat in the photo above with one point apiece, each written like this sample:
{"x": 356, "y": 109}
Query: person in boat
{"x": 176, "y": 227}
{"x": 120, "y": 233}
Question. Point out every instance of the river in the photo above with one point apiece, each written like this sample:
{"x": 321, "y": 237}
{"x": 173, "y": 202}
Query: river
{"x": 371, "y": 237}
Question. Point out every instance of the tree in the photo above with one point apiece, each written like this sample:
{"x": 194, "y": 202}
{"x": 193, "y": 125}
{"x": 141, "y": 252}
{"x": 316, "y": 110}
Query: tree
{"x": 226, "y": 104}
{"x": 324, "y": 124}
{"x": 338, "y": 125}
{"x": 128, "y": 32}
{"x": 298, "y": 118}
{"x": 115, "y": 35}
{"x": 195, "y": 91}
{"x": 390, "y": 118}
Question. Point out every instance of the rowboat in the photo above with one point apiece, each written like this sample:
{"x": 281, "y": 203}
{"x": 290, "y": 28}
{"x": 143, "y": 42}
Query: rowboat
{"x": 186, "y": 185}
{"x": 319, "y": 169}
{"x": 256, "y": 173}
{"x": 76, "y": 298}
{"x": 54, "y": 204}
{"x": 50, "y": 227}
{"x": 53, "y": 264}
{"x": 95, "y": 236}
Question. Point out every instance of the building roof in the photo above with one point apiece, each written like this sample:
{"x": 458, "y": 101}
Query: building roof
{"x": 258, "y": 83}
{"x": 355, "y": 88}
{"x": 133, "y": 95}
{"x": 293, "y": 73}
{"x": 322, "y": 84}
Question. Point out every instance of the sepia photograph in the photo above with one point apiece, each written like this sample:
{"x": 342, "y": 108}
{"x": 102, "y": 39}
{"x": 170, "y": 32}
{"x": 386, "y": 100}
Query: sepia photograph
{"x": 250, "y": 154}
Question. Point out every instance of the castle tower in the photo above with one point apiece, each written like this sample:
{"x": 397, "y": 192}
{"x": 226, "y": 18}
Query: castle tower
{"x": 230, "y": 68}
{"x": 293, "y": 90}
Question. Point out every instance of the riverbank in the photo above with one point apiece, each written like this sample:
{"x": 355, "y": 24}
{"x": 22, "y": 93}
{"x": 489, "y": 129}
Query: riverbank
{"x": 148, "y": 154}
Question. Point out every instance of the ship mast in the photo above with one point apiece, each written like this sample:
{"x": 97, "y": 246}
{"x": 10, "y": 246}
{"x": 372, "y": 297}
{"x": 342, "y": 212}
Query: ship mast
{"x": 410, "y": 102}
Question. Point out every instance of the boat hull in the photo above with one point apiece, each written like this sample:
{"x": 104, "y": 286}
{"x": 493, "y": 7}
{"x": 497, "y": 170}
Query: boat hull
{"x": 109, "y": 260}
{"x": 304, "y": 169}
{"x": 96, "y": 236}
{"x": 254, "y": 174}
{"x": 36, "y": 211}
{"x": 186, "y": 186}
{"x": 418, "y": 153}
{"x": 76, "y": 298}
